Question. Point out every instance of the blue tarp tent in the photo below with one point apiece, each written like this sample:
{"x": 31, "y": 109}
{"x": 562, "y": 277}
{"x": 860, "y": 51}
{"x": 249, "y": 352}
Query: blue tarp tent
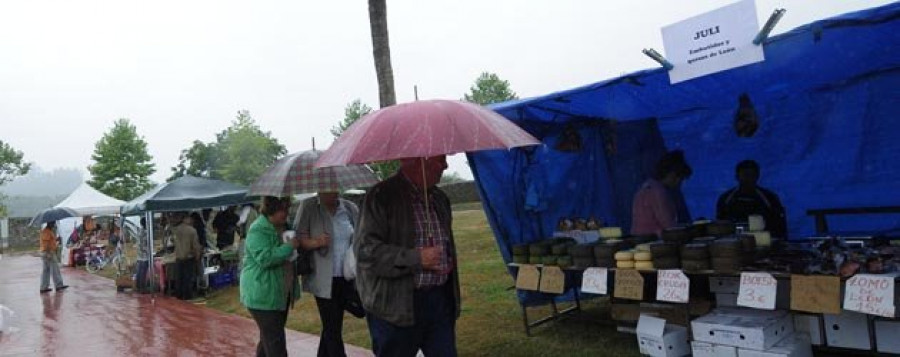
{"x": 828, "y": 102}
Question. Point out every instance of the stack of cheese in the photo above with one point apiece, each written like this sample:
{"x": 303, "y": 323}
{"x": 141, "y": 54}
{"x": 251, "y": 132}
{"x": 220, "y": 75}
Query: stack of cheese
{"x": 607, "y": 233}
{"x": 757, "y": 226}
{"x": 640, "y": 258}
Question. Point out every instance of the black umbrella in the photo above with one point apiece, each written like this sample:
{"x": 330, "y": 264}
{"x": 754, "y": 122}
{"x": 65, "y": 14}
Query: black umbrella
{"x": 52, "y": 214}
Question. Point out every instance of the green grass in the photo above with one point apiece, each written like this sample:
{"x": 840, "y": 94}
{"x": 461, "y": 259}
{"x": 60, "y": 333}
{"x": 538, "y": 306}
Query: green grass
{"x": 491, "y": 321}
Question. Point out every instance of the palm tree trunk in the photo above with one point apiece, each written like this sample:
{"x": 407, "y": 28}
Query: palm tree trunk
{"x": 381, "y": 51}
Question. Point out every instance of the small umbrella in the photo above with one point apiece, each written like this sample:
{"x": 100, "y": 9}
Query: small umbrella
{"x": 424, "y": 129}
{"x": 296, "y": 174}
{"x": 52, "y": 214}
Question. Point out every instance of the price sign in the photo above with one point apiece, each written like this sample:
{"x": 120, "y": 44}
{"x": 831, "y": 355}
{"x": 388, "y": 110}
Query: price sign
{"x": 594, "y": 281}
{"x": 629, "y": 285}
{"x": 758, "y": 290}
{"x": 870, "y": 294}
{"x": 672, "y": 286}
{"x": 528, "y": 278}
{"x": 553, "y": 280}
{"x": 818, "y": 294}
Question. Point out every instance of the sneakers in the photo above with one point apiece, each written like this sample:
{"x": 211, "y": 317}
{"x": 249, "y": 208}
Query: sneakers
{"x": 61, "y": 288}
{"x": 44, "y": 291}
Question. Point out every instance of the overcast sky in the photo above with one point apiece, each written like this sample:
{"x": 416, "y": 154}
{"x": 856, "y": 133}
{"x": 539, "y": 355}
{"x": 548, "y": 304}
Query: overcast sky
{"x": 180, "y": 70}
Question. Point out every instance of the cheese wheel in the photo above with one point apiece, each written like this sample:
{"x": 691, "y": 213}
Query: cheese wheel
{"x": 756, "y": 223}
{"x": 643, "y": 265}
{"x": 763, "y": 239}
{"x": 643, "y": 256}
{"x": 610, "y": 232}
{"x": 625, "y": 264}
{"x": 642, "y": 248}
{"x": 624, "y": 256}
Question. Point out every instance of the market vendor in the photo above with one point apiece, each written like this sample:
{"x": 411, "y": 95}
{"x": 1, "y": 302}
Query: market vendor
{"x": 748, "y": 198}
{"x": 187, "y": 255}
{"x": 659, "y": 203}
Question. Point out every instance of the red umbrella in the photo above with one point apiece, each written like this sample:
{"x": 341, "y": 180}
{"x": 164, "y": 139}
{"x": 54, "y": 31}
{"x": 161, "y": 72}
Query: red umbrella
{"x": 424, "y": 129}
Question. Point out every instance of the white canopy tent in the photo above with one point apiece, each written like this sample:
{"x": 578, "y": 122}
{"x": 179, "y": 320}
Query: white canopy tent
{"x": 87, "y": 202}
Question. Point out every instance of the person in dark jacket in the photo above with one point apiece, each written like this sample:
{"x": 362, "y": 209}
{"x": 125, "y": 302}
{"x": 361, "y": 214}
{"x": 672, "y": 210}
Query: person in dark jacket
{"x": 225, "y": 225}
{"x": 406, "y": 263}
{"x": 199, "y": 225}
{"x": 748, "y": 198}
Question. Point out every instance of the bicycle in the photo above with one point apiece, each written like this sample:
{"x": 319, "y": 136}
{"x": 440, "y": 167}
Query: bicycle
{"x": 98, "y": 261}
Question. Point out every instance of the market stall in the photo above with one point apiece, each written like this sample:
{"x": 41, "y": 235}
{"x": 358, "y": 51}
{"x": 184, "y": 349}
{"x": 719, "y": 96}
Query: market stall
{"x": 86, "y": 201}
{"x": 183, "y": 194}
{"x": 823, "y": 131}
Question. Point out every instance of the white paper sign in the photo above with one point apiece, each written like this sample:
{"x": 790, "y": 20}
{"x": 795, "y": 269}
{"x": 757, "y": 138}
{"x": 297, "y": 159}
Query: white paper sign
{"x": 715, "y": 41}
{"x": 594, "y": 281}
{"x": 672, "y": 286}
{"x": 758, "y": 290}
{"x": 870, "y": 294}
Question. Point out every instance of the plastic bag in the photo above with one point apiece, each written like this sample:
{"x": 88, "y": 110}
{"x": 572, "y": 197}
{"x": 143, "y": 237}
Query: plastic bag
{"x": 349, "y": 264}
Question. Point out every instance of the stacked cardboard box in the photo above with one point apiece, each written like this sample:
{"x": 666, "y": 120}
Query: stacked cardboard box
{"x": 736, "y": 332}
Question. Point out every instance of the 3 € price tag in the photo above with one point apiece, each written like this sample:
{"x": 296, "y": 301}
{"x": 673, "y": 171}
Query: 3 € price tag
{"x": 594, "y": 281}
{"x": 672, "y": 286}
{"x": 758, "y": 290}
{"x": 870, "y": 294}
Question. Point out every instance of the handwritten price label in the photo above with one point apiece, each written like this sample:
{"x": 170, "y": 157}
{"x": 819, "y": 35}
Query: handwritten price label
{"x": 595, "y": 281}
{"x": 758, "y": 290}
{"x": 672, "y": 286}
{"x": 629, "y": 284}
{"x": 870, "y": 294}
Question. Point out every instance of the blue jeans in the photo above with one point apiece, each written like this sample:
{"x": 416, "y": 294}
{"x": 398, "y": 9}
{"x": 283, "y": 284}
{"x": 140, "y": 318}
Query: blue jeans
{"x": 51, "y": 268}
{"x": 434, "y": 331}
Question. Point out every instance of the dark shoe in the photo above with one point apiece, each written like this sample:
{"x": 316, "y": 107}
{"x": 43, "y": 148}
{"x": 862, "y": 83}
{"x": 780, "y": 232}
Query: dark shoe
{"x": 44, "y": 291}
{"x": 64, "y": 287}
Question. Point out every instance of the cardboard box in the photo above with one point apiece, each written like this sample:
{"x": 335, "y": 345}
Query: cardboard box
{"x": 796, "y": 345}
{"x": 745, "y": 328}
{"x": 726, "y": 300}
{"x": 706, "y": 349}
{"x": 848, "y": 330}
{"x": 811, "y": 325}
{"x": 658, "y": 339}
{"x": 887, "y": 336}
{"x": 727, "y": 285}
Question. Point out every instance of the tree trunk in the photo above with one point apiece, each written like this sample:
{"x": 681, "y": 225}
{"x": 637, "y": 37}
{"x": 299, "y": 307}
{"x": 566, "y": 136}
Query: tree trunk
{"x": 381, "y": 51}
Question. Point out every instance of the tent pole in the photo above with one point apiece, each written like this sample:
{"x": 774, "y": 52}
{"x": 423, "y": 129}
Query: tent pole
{"x": 151, "y": 263}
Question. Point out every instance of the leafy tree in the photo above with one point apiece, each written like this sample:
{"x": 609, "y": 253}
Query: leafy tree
{"x": 198, "y": 160}
{"x": 122, "y": 166}
{"x": 246, "y": 151}
{"x": 240, "y": 154}
{"x": 12, "y": 164}
{"x": 489, "y": 89}
{"x": 355, "y": 110}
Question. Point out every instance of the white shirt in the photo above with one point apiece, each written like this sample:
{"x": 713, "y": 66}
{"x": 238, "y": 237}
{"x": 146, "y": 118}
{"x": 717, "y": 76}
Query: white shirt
{"x": 342, "y": 228}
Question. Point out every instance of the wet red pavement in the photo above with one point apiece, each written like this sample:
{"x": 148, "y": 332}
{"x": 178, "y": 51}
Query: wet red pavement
{"x": 91, "y": 319}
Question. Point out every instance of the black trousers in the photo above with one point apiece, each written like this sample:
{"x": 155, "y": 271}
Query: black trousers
{"x": 187, "y": 274}
{"x": 331, "y": 312}
{"x": 272, "y": 342}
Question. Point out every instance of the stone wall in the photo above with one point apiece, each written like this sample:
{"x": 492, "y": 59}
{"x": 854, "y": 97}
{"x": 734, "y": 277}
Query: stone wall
{"x": 21, "y": 235}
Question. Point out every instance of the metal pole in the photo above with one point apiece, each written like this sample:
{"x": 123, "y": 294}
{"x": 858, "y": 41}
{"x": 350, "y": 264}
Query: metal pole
{"x": 151, "y": 263}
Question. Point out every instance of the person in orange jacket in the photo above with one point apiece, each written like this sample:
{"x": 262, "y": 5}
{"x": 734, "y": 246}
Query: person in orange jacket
{"x": 50, "y": 257}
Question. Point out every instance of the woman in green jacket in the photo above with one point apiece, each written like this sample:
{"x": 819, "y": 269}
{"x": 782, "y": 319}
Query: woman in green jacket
{"x": 268, "y": 283}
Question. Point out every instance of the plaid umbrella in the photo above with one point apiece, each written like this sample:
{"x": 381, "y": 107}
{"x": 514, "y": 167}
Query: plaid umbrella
{"x": 296, "y": 174}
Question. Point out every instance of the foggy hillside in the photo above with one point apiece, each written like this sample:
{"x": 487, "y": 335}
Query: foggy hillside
{"x": 38, "y": 182}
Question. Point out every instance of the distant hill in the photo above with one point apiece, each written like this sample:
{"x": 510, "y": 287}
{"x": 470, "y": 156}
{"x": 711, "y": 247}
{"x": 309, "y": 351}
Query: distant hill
{"x": 40, "y": 189}
{"x": 38, "y": 182}
{"x": 28, "y": 206}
